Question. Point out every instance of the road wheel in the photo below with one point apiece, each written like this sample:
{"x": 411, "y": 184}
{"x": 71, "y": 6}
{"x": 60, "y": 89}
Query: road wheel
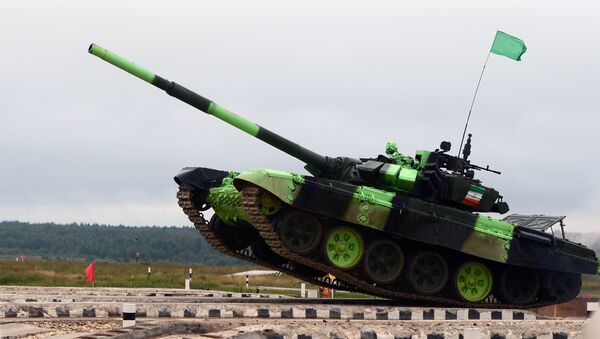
{"x": 427, "y": 272}
{"x": 238, "y": 236}
{"x": 299, "y": 231}
{"x": 517, "y": 285}
{"x": 383, "y": 262}
{"x": 473, "y": 281}
{"x": 562, "y": 286}
{"x": 343, "y": 247}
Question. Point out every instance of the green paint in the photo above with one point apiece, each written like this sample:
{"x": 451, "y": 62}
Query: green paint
{"x": 498, "y": 228}
{"x": 122, "y": 63}
{"x": 374, "y": 196}
{"x": 344, "y": 248}
{"x": 390, "y": 176}
{"x": 407, "y": 178}
{"x": 226, "y": 201}
{"x": 233, "y": 119}
{"x": 270, "y": 203}
{"x": 473, "y": 281}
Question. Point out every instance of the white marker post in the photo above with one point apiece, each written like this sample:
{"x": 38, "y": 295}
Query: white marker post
{"x": 149, "y": 271}
{"x": 190, "y": 273}
{"x": 187, "y": 284}
{"x": 128, "y": 315}
{"x": 247, "y": 282}
{"x": 302, "y": 290}
{"x": 592, "y": 307}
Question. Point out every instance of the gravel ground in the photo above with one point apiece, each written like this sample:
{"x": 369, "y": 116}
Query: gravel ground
{"x": 60, "y": 327}
{"x": 329, "y": 329}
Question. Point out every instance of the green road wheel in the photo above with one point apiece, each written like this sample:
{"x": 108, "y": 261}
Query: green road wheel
{"x": 427, "y": 272}
{"x": 473, "y": 281}
{"x": 343, "y": 248}
{"x": 299, "y": 231}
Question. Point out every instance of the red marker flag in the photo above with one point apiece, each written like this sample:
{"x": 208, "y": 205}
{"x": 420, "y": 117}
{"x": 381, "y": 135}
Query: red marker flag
{"x": 89, "y": 272}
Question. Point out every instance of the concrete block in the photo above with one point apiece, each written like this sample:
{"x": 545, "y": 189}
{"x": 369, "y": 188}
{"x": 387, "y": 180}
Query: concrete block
{"x": 214, "y": 313}
{"x": 517, "y": 315}
{"x": 262, "y": 313}
{"x": 496, "y": 315}
{"x": 62, "y": 312}
{"x": 310, "y": 313}
{"x": 287, "y": 314}
{"x": 381, "y": 315}
{"x": 368, "y": 335}
{"x": 36, "y": 312}
{"x": 474, "y": 314}
{"x": 88, "y": 313}
{"x": 189, "y": 313}
{"x": 358, "y": 315}
{"x": 405, "y": 315}
{"x": 450, "y": 315}
{"x": 164, "y": 313}
{"x": 335, "y": 313}
{"x": 428, "y": 314}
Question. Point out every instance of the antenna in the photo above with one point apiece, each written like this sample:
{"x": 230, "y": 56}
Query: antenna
{"x": 472, "y": 103}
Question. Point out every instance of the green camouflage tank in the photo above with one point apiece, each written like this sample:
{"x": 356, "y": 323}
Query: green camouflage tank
{"x": 394, "y": 226}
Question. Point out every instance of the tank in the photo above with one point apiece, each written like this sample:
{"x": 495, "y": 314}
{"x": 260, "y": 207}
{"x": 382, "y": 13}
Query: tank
{"x": 401, "y": 227}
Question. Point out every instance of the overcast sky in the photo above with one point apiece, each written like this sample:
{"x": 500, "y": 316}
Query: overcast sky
{"x": 82, "y": 141}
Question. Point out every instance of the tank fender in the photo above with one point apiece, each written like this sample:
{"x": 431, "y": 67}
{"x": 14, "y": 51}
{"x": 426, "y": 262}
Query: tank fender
{"x": 284, "y": 185}
{"x": 201, "y": 180}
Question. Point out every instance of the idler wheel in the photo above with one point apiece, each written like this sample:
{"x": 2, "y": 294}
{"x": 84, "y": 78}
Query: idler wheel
{"x": 383, "y": 262}
{"x": 237, "y": 236}
{"x": 517, "y": 285}
{"x": 473, "y": 281}
{"x": 343, "y": 248}
{"x": 427, "y": 272}
{"x": 299, "y": 231}
{"x": 563, "y": 286}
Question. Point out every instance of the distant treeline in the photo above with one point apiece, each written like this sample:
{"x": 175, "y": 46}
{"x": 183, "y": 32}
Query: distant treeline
{"x": 109, "y": 243}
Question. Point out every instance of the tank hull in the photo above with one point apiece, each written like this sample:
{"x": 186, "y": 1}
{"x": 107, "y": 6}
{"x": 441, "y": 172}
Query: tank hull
{"x": 409, "y": 223}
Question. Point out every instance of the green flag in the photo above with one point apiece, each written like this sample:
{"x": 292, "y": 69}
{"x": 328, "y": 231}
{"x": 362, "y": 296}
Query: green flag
{"x": 509, "y": 46}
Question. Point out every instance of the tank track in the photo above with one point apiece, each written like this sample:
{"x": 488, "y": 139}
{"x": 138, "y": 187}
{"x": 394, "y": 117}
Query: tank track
{"x": 251, "y": 201}
{"x": 185, "y": 201}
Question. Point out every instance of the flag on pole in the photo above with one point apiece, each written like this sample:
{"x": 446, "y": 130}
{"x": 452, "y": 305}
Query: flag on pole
{"x": 508, "y": 46}
{"x": 89, "y": 272}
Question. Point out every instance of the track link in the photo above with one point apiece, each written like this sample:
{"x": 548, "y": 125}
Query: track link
{"x": 185, "y": 201}
{"x": 251, "y": 202}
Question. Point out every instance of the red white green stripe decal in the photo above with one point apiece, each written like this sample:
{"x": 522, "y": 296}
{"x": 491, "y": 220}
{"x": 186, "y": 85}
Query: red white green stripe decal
{"x": 474, "y": 195}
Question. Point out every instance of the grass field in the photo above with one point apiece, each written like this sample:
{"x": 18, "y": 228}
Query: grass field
{"x": 62, "y": 273}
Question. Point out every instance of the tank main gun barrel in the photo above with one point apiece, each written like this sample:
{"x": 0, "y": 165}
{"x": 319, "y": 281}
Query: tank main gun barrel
{"x": 309, "y": 157}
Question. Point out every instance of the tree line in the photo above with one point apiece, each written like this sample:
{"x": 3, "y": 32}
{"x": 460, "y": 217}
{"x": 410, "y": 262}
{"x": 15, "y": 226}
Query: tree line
{"x": 110, "y": 243}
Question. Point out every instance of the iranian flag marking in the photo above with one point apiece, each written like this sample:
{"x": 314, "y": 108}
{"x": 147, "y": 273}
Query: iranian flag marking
{"x": 474, "y": 195}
